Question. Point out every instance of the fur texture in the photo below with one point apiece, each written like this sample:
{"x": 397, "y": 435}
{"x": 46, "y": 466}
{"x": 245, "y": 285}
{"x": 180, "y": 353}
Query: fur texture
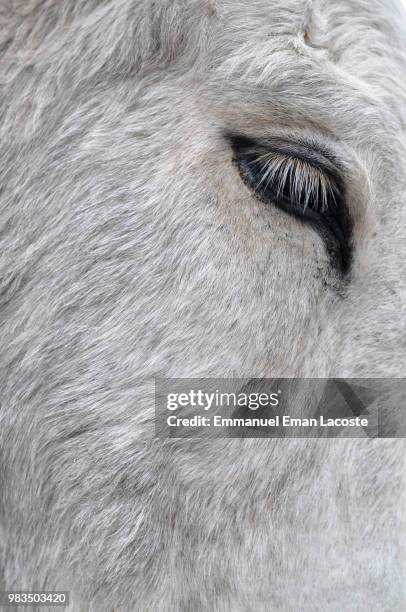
{"x": 130, "y": 248}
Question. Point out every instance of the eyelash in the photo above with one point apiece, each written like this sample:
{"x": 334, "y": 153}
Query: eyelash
{"x": 291, "y": 180}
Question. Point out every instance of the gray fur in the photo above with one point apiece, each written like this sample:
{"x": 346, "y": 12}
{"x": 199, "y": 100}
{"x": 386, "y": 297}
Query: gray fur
{"x": 130, "y": 249}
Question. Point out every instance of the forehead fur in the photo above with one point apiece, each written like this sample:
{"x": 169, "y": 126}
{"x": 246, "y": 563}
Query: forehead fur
{"x": 162, "y": 30}
{"x": 254, "y": 43}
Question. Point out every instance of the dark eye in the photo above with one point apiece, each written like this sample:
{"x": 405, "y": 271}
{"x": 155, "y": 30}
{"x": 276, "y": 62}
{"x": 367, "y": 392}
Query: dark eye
{"x": 302, "y": 182}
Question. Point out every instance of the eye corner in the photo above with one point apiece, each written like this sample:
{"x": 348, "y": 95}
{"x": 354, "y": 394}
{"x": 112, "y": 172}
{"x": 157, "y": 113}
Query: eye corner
{"x": 241, "y": 143}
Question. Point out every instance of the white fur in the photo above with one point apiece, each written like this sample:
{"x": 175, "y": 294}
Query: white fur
{"x": 130, "y": 249}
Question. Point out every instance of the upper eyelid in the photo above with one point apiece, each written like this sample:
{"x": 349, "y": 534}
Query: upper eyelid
{"x": 300, "y": 149}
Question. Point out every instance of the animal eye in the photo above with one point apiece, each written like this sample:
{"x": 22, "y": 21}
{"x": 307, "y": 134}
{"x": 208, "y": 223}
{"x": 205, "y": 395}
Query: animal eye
{"x": 303, "y": 183}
